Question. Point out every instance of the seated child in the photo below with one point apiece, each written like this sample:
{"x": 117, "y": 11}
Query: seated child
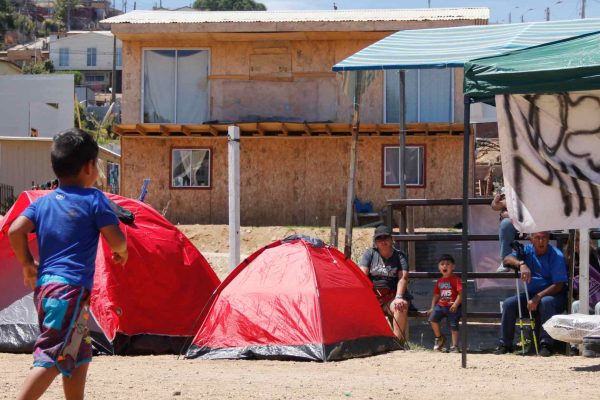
{"x": 447, "y": 296}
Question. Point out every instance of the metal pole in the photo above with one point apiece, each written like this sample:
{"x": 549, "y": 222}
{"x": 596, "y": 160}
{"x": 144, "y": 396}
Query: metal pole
{"x": 113, "y": 91}
{"x": 353, "y": 157}
{"x": 402, "y": 150}
{"x": 584, "y": 271}
{"x": 582, "y": 17}
{"x": 465, "y": 226}
{"x": 233, "y": 139}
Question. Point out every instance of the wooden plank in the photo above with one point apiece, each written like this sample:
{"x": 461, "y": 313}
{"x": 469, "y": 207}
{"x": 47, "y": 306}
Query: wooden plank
{"x": 307, "y": 129}
{"x": 141, "y": 129}
{"x": 213, "y": 131}
{"x": 186, "y": 130}
{"x": 396, "y": 203}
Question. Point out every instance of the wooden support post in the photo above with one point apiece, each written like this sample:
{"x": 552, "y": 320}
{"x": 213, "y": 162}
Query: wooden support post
{"x": 333, "y": 238}
{"x": 353, "y": 158}
{"x": 233, "y": 139}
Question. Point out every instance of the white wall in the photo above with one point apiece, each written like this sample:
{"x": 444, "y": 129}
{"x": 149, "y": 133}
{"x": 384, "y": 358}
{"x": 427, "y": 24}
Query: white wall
{"x": 78, "y": 45}
{"x": 481, "y": 112}
{"x": 42, "y": 102}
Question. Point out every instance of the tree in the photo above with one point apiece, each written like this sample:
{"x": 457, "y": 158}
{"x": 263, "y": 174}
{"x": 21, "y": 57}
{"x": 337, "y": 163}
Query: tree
{"x": 63, "y": 10}
{"x": 229, "y": 5}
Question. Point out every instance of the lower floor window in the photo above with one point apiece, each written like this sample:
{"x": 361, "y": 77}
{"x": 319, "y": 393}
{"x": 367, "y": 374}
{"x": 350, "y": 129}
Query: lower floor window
{"x": 190, "y": 168}
{"x": 414, "y": 166}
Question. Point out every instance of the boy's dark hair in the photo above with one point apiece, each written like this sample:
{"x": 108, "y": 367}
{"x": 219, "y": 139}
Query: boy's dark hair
{"x": 446, "y": 257}
{"x": 71, "y": 150}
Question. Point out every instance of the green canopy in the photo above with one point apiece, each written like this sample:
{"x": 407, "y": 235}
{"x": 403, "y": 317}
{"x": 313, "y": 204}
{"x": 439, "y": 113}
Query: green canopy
{"x": 562, "y": 66}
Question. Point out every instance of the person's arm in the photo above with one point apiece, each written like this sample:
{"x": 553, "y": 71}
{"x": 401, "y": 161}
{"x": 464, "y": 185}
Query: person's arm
{"x": 499, "y": 203}
{"x": 511, "y": 261}
{"x": 17, "y": 235}
{"x": 456, "y": 303}
{"x": 117, "y": 242}
{"x": 551, "y": 290}
{"x": 365, "y": 270}
{"x": 401, "y": 288}
{"x": 434, "y": 301}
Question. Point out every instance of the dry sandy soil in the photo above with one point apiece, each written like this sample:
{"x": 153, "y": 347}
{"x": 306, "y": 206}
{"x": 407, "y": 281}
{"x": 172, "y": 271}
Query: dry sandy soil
{"x": 415, "y": 374}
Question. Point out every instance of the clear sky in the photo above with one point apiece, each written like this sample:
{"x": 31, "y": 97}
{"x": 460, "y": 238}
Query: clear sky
{"x": 532, "y": 10}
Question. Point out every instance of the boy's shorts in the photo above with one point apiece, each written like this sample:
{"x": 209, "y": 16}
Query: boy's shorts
{"x": 63, "y": 312}
{"x": 439, "y": 312}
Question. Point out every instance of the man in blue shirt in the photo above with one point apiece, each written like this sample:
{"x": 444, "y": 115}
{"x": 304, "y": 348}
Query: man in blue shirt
{"x": 544, "y": 269}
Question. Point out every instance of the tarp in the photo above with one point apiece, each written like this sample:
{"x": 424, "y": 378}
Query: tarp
{"x": 453, "y": 47}
{"x": 160, "y": 291}
{"x": 568, "y": 65}
{"x": 294, "y": 299}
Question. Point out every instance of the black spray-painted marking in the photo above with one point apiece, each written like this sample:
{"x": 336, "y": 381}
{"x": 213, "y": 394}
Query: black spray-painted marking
{"x": 545, "y": 149}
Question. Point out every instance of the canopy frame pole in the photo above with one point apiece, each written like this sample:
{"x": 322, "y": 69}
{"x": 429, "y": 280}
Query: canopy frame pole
{"x": 465, "y": 226}
{"x": 584, "y": 271}
{"x": 353, "y": 159}
{"x": 233, "y": 140}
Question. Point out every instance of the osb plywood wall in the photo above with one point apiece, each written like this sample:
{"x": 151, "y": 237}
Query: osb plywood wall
{"x": 290, "y": 181}
{"x": 269, "y": 80}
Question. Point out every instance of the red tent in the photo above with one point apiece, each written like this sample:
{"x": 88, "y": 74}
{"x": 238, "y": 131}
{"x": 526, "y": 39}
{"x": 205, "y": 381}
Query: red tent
{"x": 294, "y": 299}
{"x": 158, "y": 293}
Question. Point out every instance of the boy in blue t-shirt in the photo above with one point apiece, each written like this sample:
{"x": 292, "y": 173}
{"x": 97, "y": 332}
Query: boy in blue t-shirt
{"x": 67, "y": 222}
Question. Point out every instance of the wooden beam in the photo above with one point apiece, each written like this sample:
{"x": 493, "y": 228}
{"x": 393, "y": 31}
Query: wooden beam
{"x": 186, "y": 130}
{"x": 140, "y": 128}
{"x": 213, "y": 131}
{"x": 284, "y": 129}
{"x": 307, "y": 130}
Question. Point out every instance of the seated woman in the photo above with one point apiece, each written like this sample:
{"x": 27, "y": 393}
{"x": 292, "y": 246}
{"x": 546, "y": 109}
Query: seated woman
{"x": 388, "y": 270}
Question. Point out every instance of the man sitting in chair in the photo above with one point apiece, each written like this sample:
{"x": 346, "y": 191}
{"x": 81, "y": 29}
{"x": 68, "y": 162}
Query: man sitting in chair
{"x": 544, "y": 269}
{"x": 388, "y": 270}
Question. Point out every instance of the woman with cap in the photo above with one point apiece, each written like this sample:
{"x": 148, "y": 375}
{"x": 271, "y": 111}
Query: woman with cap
{"x": 388, "y": 270}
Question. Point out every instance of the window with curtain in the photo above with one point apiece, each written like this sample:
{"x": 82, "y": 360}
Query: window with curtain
{"x": 414, "y": 164}
{"x": 91, "y": 57}
{"x": 63, "y": 57}
{"x": 119, "y": 56}
{"x": 429, "y": 95}
{"x": 190, "y": 168}
{"x": 175, "y": 86}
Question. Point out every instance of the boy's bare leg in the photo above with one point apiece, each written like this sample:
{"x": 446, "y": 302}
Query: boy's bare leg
{"x": 36, "y": 383}
{"x": 435, "y": 326}
{"x": 74, "y": 387}
{"x": 455, "y": 337}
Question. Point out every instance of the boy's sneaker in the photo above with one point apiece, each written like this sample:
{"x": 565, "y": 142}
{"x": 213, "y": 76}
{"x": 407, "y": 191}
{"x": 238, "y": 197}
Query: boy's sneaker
{"x": 439, "y": 342}
{"x": 546, "y": 350}
{"x": 454, "y": 349}
{"x": 502, "y": 349}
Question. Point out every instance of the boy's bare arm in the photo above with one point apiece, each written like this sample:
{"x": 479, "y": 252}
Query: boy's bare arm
{"x": 17, "y": 234}
{"x": 434, "y": 300}
{"x": 117, "y": 242}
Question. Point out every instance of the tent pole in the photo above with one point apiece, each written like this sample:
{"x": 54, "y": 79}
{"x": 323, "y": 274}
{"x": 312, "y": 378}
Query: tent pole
{"x": 353, "y": 157}
{"x": 584, "y": 271}
{"x": 465, "y": 226}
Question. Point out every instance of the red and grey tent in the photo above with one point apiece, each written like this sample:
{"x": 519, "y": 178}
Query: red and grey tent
{"x": 149, "y": 305}
{"x": 294, "y": 299}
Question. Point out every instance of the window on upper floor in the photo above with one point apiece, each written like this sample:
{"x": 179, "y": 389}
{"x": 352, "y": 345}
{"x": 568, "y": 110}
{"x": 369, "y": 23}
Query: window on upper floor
{"x": 429, "y": 95}
{"x": 414, "y": 162}
{"x": 91, "y": 57}
{"x": 175, "y": 86}
{"x": 190, "y": 168}
{"x": 119, "y": 55}
{"x": 63, "y": 57}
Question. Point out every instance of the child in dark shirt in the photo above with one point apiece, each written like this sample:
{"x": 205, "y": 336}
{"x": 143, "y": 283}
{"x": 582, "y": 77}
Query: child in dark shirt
{"x": 447, "y": 297}
{"x": 67, "y": 222}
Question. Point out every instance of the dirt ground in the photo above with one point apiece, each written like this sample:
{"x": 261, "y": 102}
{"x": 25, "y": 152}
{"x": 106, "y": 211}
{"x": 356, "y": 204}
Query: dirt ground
{"x": 415, "y": 374}
{"x": 398, "y": 375}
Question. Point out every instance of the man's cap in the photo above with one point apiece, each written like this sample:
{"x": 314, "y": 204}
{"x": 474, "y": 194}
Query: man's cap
{"x": 380, "y": 231}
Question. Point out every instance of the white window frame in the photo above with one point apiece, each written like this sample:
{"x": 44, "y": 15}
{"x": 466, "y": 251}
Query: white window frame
{"x": 420, "y": 178}
{"x": 452, "y": 99}
{"x": 92, "y": 53}
{"x": 172, "y": 184}
{"x": 208, "y": 90}
{"x": 63, "y": 52}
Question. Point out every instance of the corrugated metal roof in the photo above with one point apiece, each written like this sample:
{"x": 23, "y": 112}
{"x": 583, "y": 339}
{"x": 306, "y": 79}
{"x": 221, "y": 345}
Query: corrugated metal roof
{"x": 194, "y": 17}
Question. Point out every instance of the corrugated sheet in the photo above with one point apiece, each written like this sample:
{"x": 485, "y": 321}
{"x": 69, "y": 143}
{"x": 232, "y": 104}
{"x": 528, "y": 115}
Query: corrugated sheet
{"x": 194, "y": 17}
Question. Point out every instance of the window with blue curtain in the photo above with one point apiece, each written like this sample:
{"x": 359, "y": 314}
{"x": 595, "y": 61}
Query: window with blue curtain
{"x": 119, "y": 55}
{"x": 91, "y": 56}
{"x": 429, "y": 95}
{"x": 63, "y": 57}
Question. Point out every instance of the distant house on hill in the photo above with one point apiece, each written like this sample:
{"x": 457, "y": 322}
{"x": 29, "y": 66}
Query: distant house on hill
{"x": 188, "y": 75}
{"x": 90, "y": 52}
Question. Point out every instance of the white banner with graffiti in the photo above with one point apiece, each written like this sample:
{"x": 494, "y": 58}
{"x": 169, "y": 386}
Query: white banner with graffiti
{"x": 550, "y": 147}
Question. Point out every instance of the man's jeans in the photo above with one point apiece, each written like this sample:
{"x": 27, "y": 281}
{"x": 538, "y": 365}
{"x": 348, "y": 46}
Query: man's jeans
{"x": 548, "y": 307}
{"x": 507, "y": 233}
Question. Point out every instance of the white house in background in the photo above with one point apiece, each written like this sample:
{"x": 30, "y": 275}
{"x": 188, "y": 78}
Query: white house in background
{"x": 36, "y": 105}
{"x": 92, "y": 54}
